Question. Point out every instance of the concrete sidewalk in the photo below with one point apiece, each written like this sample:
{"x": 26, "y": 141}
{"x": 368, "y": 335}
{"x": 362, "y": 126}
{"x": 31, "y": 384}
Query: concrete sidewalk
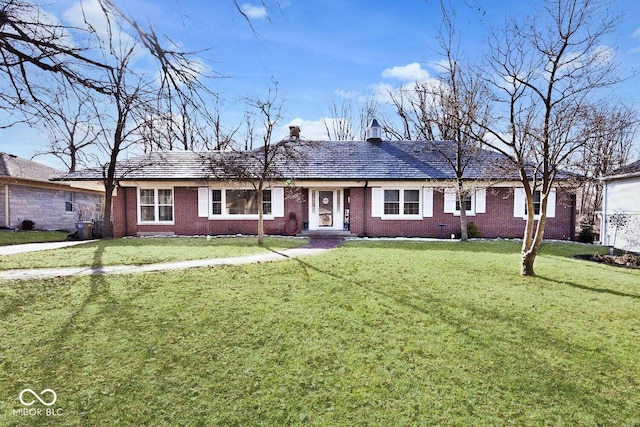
{"x": 33, "y": 247}
{"x": 47, "y": 273}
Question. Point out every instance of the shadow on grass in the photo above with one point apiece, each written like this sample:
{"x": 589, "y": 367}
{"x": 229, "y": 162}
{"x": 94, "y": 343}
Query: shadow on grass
{"x": 590, "y": 289}
{"x": 491, "y": 331}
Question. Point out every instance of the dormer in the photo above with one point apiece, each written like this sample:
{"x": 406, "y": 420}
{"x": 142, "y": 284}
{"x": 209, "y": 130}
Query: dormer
{"x": 373, "y": 133}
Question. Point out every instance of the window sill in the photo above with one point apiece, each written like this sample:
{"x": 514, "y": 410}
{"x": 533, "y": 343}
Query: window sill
{"x": 156, "y": 223}
{"x": 239, "y": 217}
{"x": 402, "y": 217}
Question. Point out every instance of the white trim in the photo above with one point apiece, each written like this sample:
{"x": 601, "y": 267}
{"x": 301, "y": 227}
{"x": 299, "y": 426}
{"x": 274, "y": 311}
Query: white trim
{"x": 451, "y": 200}
{"x": 377, "y": 203}
{"x": 277, "y": 204}
{"x": 481, "y": 200}
{"x": 203, "y": 202}
{"x": 520, "y": 204}
{"x": 314, "y": 210}
{"x": 427, "y": 202}
{"x": 156, "y": 206}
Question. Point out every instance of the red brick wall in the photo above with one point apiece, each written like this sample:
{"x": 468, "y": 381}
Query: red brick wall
{"x": 187, "y": 222}
{"x": 498, "y": 221}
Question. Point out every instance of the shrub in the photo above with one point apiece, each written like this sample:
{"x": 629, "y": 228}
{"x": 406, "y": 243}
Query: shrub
{"x": 586, "y": 233}
{"x": 472, "y": 231}
{"x": 27, "y": 224}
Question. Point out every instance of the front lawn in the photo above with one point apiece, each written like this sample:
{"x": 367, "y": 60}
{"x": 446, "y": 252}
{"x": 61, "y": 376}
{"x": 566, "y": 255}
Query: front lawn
{"x": 370, "y": 334}
{"x": 147, "y": 250}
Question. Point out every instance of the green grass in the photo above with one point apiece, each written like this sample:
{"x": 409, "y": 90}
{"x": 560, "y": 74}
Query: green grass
{"x": 138, "y": 251}
{"x": 16, "y": 237}
{"x": 370, "y": 334}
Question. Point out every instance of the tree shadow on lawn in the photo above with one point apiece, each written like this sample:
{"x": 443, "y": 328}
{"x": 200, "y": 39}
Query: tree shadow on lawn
{"x": 494, "y": 336}
{"x": 498, "y": 246}
{"x": 588, "y": 288}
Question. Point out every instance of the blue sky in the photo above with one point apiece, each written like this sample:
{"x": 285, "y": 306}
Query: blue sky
{"x": 321, "y": 50}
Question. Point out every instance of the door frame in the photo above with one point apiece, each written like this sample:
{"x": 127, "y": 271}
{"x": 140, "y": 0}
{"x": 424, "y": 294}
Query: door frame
{"x": 314, "y": 208}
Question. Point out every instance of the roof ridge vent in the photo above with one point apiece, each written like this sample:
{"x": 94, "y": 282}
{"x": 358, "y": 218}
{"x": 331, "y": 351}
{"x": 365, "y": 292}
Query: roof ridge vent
{"x": 373, "y": 133}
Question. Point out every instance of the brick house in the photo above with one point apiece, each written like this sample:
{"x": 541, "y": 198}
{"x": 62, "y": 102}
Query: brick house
{"x": 364, "y": 188}
{"x": 26, "y": 193}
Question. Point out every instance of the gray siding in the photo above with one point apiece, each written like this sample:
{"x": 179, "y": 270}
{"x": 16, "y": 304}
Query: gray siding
{"x": 46, "y": 207}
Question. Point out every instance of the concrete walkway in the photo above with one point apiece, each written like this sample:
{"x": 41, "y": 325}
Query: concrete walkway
{"x": 33, "y": 247}
{"x": 47, "y": 273}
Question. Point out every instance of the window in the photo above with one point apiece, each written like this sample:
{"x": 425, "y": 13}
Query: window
{"x": 475, "y": 201}
{"x": 239, "y": 202}
{"x": 156, "y": 205}
{"x": 408, "y": 199}
{"x": 216, "y": 202}
{"x": 68, "y": 201}
{"x": 411, "y": 202}
{"x": 391, "y": 202}
{"x": 520, "y": 203}
{"x": 467, "y": 203}
{"x": 536, "y": 203}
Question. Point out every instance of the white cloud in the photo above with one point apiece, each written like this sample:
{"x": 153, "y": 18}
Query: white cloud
{"x": 411, "y": 73}
{"x": 346, "y": 94}
{"x": 90, "y": 14}
{"x": 254, "y": 12}
{"x": 313, "y": 130}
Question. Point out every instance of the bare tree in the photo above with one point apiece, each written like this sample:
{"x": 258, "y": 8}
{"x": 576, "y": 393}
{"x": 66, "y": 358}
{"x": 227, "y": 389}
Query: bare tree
{"x": 70, "y": 123}
{"x": 608, "y": 132}
{"x": 543, "y": 71}
{"x": 260, "y": 166}
{"x": 32, "y": 41}
{"x": 452, "y": 108}
{"x": 339, "y": 124}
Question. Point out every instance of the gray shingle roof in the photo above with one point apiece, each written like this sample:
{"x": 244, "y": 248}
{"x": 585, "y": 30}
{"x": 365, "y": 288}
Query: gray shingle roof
{"x": 15, "y": 167}
{"x": 323, "y": 160}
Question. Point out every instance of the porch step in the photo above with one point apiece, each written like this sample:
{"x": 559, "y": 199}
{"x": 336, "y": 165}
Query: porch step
{"x": 327, "y": 234}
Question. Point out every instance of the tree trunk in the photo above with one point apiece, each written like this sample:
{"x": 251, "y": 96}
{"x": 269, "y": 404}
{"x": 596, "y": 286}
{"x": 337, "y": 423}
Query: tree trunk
{"x": 528, "y": 258}
{"x": 107, "y": 232}
{"x": 463, "y": 213}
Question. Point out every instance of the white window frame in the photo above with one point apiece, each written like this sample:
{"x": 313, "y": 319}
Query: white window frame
{"x": 205, "y": 203}
{"x": 451, "y": 199}
{"x": 69, "y": 201}
{"x": 156, "y": 206}
{"x": 378, "y": 211}
{"x": 520, "y": 204}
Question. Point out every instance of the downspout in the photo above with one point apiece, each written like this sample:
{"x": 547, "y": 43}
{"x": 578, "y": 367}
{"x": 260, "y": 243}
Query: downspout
{"x": 6, "y": 205}
{"x": 365, "y": 216}
{"x": 572, "y": 235}
{"x": 124, "y": 208}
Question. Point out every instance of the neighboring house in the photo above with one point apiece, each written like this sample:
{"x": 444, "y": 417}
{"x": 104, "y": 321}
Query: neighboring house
{"x": 621, "y": 199}
{"x": 366, "y": 188}
{"x": 26, "y": 193}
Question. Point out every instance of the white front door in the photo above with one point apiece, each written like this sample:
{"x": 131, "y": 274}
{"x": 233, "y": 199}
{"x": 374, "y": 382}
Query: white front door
{"x": 325, "y": 209}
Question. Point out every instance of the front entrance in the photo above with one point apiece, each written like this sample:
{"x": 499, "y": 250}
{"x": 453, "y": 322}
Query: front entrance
{"x": 325, "y": 209}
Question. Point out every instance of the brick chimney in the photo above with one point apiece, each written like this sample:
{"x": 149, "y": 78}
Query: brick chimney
{"x": 294, "y": 132}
